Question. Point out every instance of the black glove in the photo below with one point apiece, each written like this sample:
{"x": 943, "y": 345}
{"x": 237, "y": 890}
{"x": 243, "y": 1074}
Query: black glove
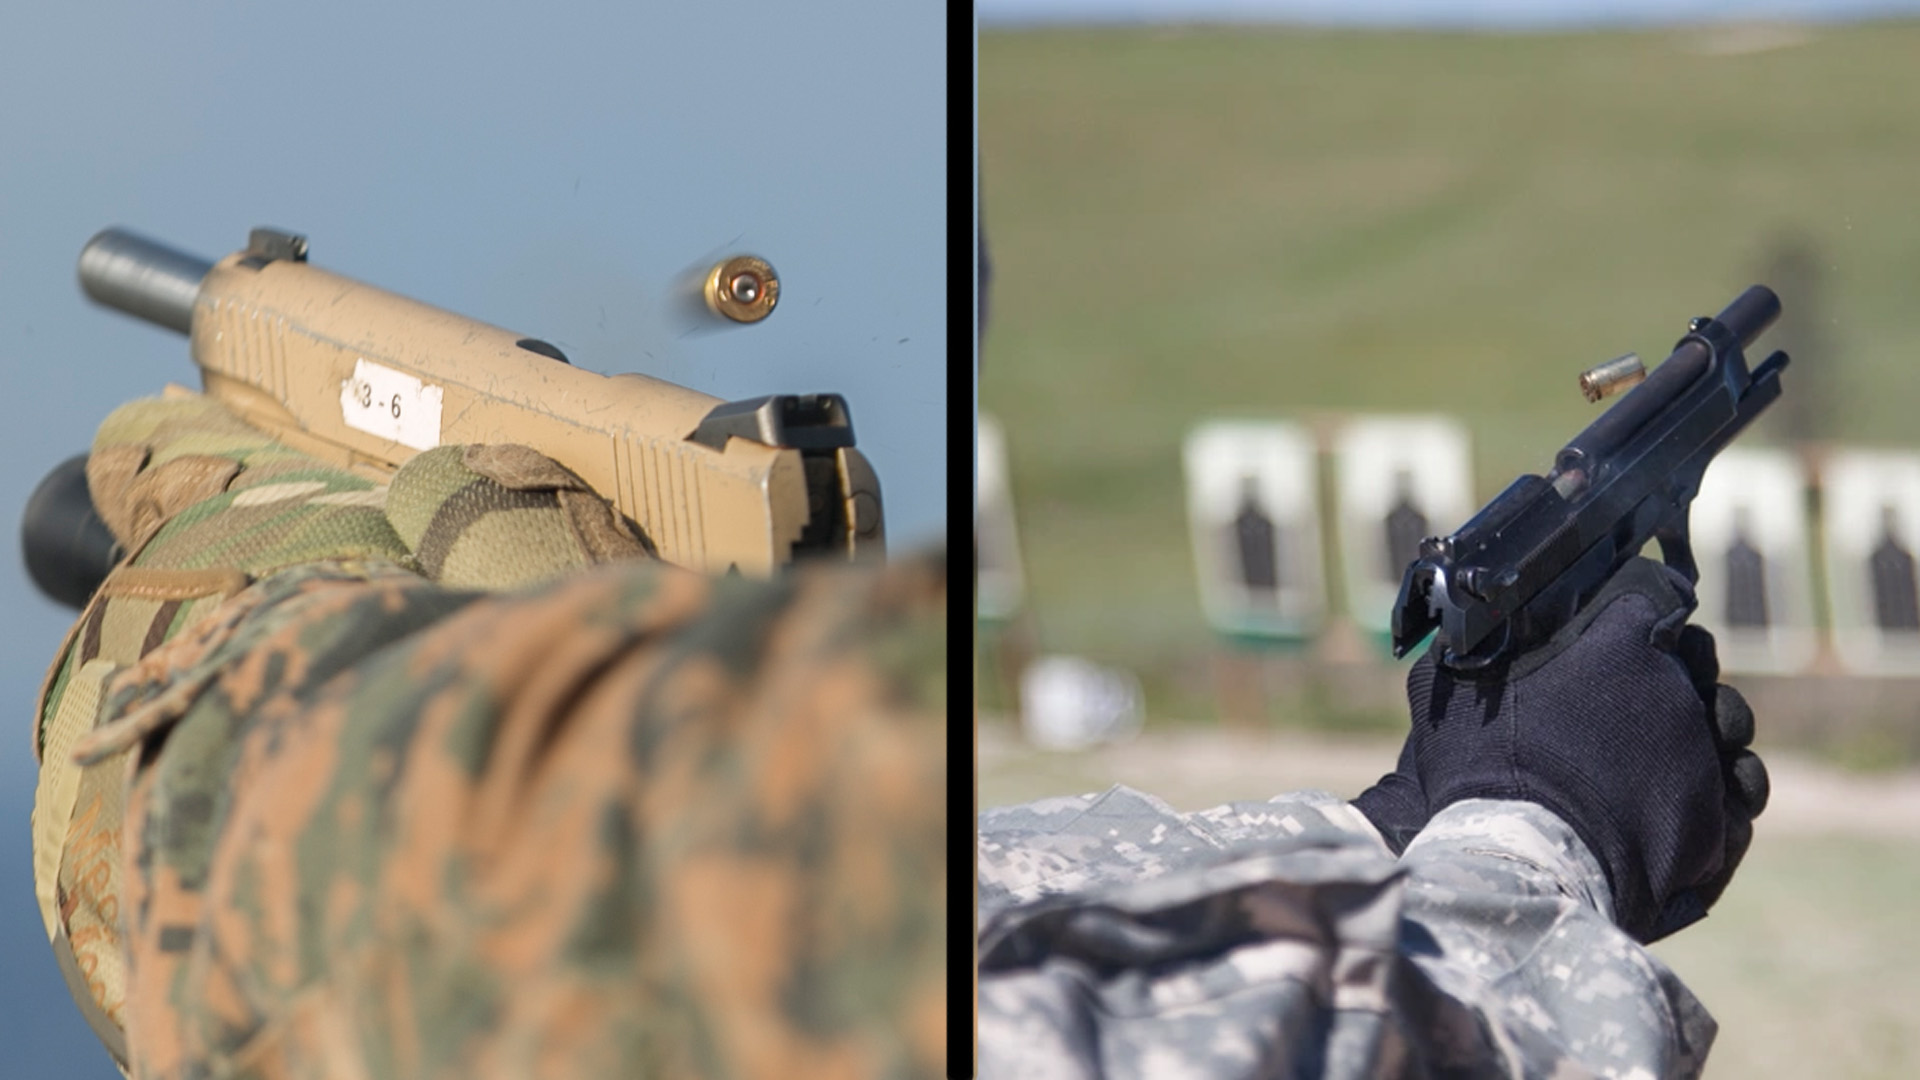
{"x": 1616, "y": 725}
{"x": 1396, "y": 805}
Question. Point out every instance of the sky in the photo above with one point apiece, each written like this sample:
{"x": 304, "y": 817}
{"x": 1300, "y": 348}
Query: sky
{"x": 1438, "y": 14}
{"x": 550, "y": 168}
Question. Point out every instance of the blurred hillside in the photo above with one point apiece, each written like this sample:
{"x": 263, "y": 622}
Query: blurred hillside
{"x": 1283, "y": 223}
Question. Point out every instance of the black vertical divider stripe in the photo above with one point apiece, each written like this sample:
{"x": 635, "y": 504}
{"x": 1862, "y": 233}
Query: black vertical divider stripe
{"x": 963, "y": 175}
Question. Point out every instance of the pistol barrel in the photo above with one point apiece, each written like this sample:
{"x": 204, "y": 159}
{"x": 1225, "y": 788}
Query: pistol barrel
{"x": 1750, "y": 313}
{"x": 142, "y": 277}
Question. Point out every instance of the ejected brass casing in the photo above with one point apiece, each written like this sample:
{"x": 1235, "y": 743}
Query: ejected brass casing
{"x": 1612, "y": 377}
{"x": 743, "y": 288}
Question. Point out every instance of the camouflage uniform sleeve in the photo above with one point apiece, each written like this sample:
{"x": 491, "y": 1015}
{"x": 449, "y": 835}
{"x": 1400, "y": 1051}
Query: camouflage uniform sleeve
{"x": 1519, "y": 920}
{"x": 637, "y": 822}
{"x": 1119, "y": 938}
{"x": 1080, "y": 843}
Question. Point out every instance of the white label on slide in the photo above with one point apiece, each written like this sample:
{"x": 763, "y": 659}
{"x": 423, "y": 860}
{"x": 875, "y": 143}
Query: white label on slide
{"x": 391, "y": 404}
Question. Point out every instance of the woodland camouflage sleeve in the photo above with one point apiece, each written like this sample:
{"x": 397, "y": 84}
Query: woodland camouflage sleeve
{"x": 642, "y": 822}
{"x": 305, "y": 813}
{"x": 1120, "y": 938}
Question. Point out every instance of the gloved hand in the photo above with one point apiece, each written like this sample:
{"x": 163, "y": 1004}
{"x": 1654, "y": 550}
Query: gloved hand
{"x": 1618, "y": 726}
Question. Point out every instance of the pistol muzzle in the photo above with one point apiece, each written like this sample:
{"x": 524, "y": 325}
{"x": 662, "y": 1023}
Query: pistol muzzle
{"x": 142, "y": 277}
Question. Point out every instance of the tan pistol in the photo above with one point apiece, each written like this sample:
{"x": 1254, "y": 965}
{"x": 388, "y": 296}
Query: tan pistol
{"x": 364, "y": 378}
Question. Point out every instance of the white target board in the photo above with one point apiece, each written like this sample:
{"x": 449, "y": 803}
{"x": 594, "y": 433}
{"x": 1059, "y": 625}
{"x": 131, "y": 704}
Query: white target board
{"x": 1000, "y": 583}
{"x": 1400, "y": 479}
{"x": 1749, "y": 530}
{"x": 1871, "y": 528}
{"x": 1254, "y": 513}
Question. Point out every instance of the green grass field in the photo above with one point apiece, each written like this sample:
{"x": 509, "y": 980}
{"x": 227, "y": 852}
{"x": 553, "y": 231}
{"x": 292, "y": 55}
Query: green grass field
{"x": 1276, "y": 223}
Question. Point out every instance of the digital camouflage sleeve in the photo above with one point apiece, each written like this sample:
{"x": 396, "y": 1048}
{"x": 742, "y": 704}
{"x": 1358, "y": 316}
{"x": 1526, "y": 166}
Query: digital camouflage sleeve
{"x": 308, "y": 810}
{"x": 1120, "y": 938}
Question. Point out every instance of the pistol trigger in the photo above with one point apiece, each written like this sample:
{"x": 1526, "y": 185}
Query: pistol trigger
{"x": 1676, "y": 550}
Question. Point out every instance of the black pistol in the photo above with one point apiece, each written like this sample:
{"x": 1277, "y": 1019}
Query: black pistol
{"x": 1524, "y": 565}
